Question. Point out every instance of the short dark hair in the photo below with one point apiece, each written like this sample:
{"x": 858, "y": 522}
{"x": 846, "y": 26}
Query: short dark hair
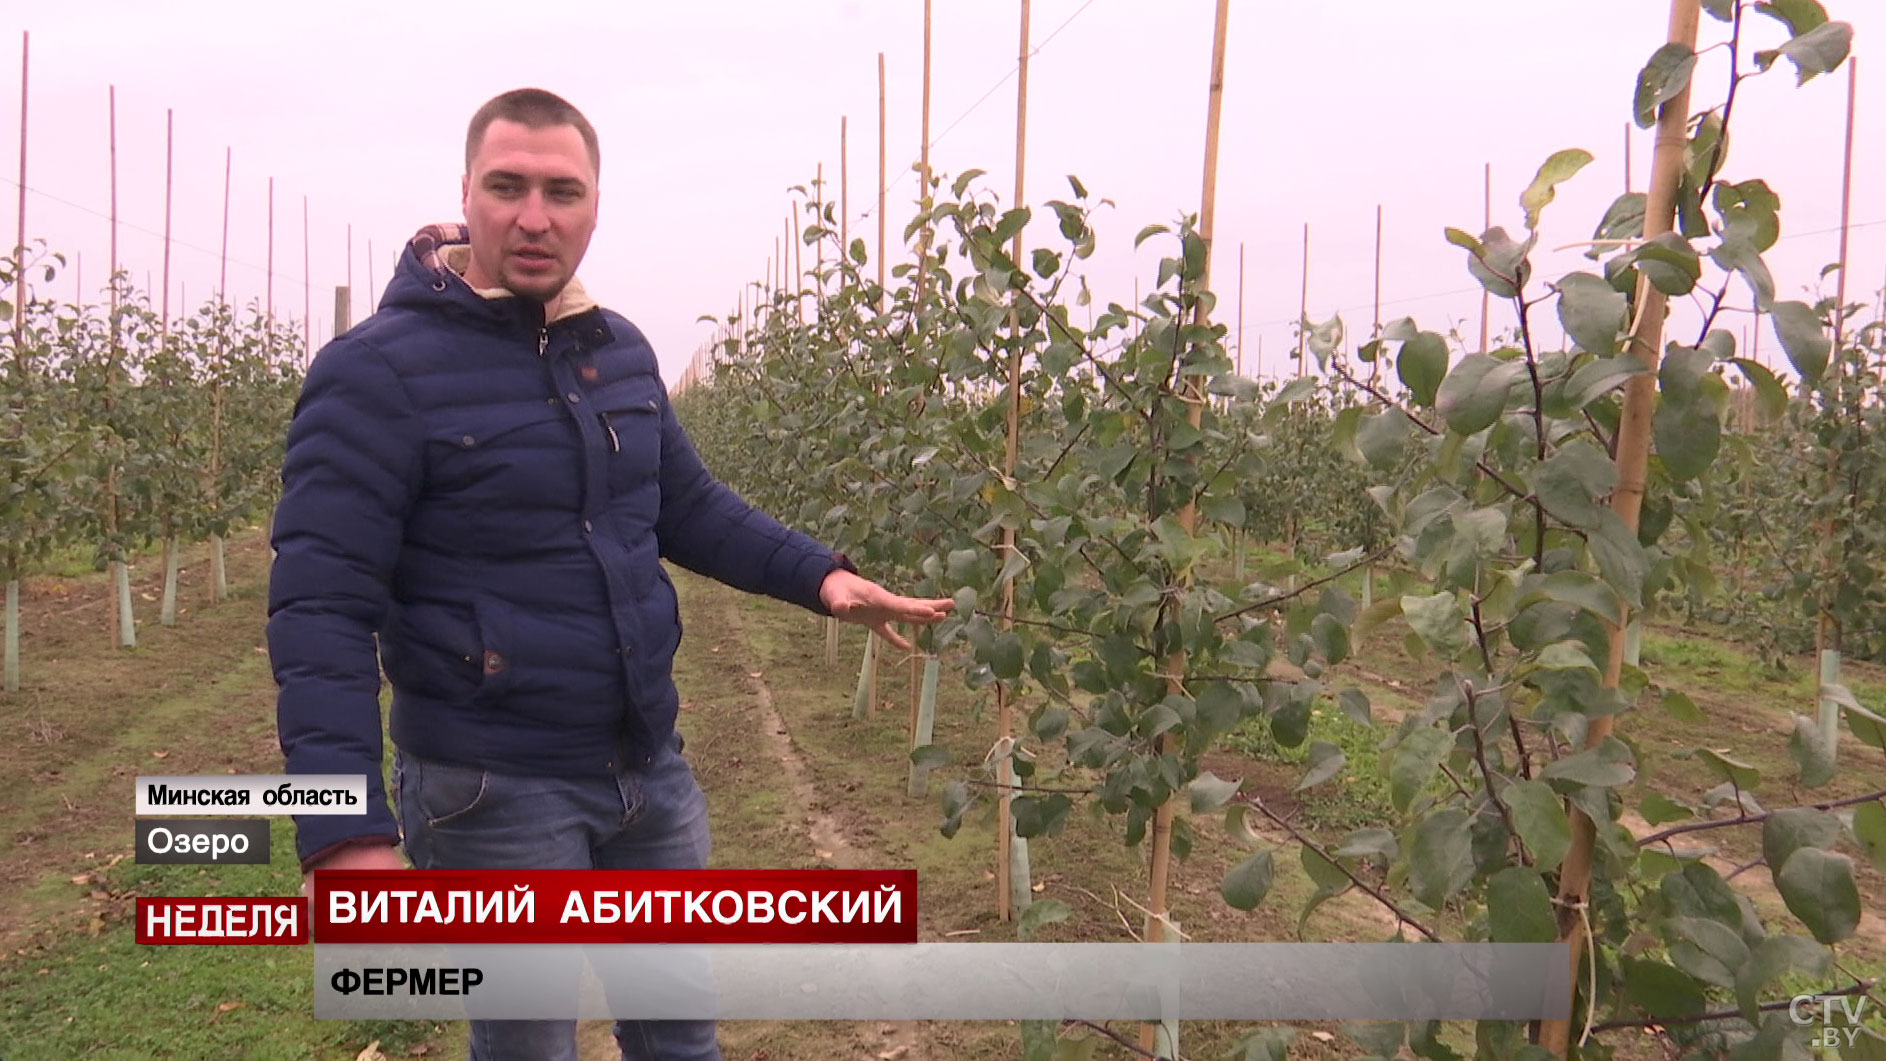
{"x": 533, "y": 108}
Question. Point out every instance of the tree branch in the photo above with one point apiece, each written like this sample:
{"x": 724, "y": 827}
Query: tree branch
{"x": 1751, "y": 819}
{"x": 1373, "y": 893}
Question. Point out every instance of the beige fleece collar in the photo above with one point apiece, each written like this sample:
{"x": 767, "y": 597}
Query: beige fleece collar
{"x": 572, "y": 301}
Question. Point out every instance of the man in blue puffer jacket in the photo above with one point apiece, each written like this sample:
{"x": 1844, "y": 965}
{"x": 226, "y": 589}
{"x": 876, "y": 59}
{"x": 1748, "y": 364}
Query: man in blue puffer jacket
{"x": 484, "y": 477}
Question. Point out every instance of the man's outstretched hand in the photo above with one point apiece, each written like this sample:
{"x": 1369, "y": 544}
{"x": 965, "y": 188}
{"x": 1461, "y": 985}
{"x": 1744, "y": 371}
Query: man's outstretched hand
{"x": 855, "y": 599}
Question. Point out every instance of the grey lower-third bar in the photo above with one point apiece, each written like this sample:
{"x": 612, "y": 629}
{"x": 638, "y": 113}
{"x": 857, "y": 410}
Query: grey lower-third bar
{"x": 945, "y": 981}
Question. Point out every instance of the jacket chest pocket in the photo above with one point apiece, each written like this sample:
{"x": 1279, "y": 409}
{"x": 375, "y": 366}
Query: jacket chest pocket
{"x": 631, "y": 423}
{"x": 517, "y": 455}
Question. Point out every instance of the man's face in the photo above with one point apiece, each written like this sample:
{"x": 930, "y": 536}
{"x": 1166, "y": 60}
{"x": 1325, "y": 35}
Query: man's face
{"x": 530, "y": 202}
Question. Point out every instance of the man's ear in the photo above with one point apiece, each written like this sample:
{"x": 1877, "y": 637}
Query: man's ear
{"x": 464, "y": 193}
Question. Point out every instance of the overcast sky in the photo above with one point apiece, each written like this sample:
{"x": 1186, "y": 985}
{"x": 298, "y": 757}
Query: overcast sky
{"x": 709, "y": 111}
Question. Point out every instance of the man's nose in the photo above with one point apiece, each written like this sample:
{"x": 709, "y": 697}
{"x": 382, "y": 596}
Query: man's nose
{"x": 533, "y": 217}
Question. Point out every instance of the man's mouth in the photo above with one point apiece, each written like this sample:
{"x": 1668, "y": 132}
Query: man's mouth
{"x": 533, "y": 256}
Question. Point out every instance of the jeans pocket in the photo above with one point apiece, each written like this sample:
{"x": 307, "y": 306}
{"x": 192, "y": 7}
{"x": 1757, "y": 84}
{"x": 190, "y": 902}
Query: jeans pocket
{"x": 445, "y": 792}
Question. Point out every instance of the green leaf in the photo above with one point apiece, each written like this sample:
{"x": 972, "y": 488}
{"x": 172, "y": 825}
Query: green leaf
{"x": 1591, "y": 312}
{"x": 1720, "y": 10}
{"x": 1355, "y": 706}
{"x": 1659, "y": 809}
{"x": 1584, "y": 592}
{"x": 1605, "y": 766}
{"x": 1682, "y": 708}
{"x": 1869, "y": 828}
{"x": 1326, "y": 761}
{"x": 1248, "y": 882}
{"x": 1382, "y": 438}
{"x": 1811, "y": 752}
{"x": 1500, "y": 263}
{"x": 1147, "y": 233}
{"x": 1422, "y": 364}
{"x": 1440, "y": 860}
{"x": 1438, "y": 621}
{"x": 1005, "y": 656}
{"x": 1624, "y": 220}
{"x": 1865, "y": 725}
{"x": 1596, "y": 378}
{"x": 1798, "y": 15}
{"x": 1264, "y": 1044}
{"x": 1771, "y": 958}
{"x": 930, "y": 756}
{"x": 1331, "y": 638}
{"x": 1473, "y": 394}
{"x": 1518, "y": 908}
{"x": 1417, "y": 759}
{"x": 1208, "y": 792}
{"x": 1666, "y": 74}
{"x": 1818, "y": 51}
{"x": 1802, "y": 338}
{"x": 1792, "y": 829}
{"x": 1227, "y": 509}
{"x": 1768, "y": 389}
{"x": 1041, "y": 913}
{"x": 1620, "y": 557}
{"x": 1539, "y": 816}
{"x": 1668, "y": 262}
{"x": 1706, "y": 949}
{"x": 1687, "y": 423}
{"x": 1555, "y": 171}
{"x": 1662, "y": 991}
{"x": 1734, "y": 771}
{"x": 1368, "y": 843}
{"x": 1818, "y": 888}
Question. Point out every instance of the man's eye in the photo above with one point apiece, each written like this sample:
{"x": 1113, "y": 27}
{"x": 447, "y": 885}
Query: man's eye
{"x": 566, "y": 195}
{"x": 504, "y": 188}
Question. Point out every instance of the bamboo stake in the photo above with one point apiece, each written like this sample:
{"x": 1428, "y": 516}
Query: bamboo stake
{"x": 1165, "y": 1037}
{"x": 881, "y": 184}
{"x": 268, "y": 301}
{"x": 1487, "y": 223}
{"x": 1627, "y": 158}
{"x": 819, "y": 205}
{"x": 923, "y": 163}
{"x": 307, "y": 288}
{"x": 798, "y": 270}
{"x": 1375, "y": 332}
{"x": 127, "y": 636}
{"x": 169, "y": 158}
{"x": 1827, "y": 632}
{"x": 1633, "y": 457}
{"x": 219, "y": 572}
{"x": 844, "y": 185}
{"x": 1011, "y": 895}
{"x": 373, "y": 292}
{"x": 1303, "y": 307}
{"x": 19, "y": 243}
{"x": 1240, "y": 308}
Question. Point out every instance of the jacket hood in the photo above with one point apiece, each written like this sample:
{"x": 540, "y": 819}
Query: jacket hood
{"x": 431, "y": 273}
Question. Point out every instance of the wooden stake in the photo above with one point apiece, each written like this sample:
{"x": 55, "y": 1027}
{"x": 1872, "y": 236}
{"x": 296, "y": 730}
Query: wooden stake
{"x": 1303, "y": 307}
{"x": 1157, "y": 927}
{"x": 1633, "y": 458}
{"x": 112, "y": 107}
{"x": 1627, "y": 158}
{"x": 373, "y": 293}
{"x": 844, "y": 185}
{"x": 19, "y": 264}
{"x": 222, "y": 277}
{"x": 1005, "y": 902}
{"x": 1375, "y": 332}
{"x": 881, "y": 184}
{"x": 269, "y": 285}
{"x": 1484, "y": 304}
{"x": 820, "y": 207}
{"x": 169, "y": 158}
{"x": 1827, "y": 632}
{"x": 307, "y": 288}
{"x": 1240, "y": 308}
{"x": 923, "y": 162}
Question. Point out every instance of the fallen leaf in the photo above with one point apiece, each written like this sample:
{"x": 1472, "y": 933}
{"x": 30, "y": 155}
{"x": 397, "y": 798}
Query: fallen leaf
{"x": 1040, "y": 887}
{"x": 418, "y": 1049}
{"x": 98, "y": 893}
{"x": 371, "y": 1053}
{"x": 160, "y": 755}
{"x": 822, "y": 854}
{"x": 894, "y": 1053}
{"x": 97, "y": 926}
{"x": 755, "y": 674}
{"x": 1322, "y": 1037}
{"x": 83, "y": 878}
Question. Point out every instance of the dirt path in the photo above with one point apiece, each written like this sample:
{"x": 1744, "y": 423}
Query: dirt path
{"x": 832, "y": 844}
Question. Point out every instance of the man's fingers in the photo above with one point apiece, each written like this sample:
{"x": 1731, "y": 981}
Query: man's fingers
{"x": 885, "y": 631}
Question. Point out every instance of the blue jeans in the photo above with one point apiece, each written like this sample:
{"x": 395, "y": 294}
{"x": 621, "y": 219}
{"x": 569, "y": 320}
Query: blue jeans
{"x": 457, "y": 817}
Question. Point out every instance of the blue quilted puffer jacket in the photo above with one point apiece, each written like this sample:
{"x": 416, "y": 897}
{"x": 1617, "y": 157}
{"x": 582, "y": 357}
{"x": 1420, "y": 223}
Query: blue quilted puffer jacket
{"x": 490, "y": 495}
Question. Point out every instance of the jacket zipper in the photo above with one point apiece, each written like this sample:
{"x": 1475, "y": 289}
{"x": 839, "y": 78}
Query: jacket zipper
{"x": 615, "y": 444}
{"x": 543, "y": 340}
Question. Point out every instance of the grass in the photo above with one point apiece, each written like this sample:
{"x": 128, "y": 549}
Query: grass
{"x": 1357, "y": 796}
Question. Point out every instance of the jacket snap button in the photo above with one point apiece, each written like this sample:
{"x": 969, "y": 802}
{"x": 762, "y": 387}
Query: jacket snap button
{"x": 574, "y": 397}
{"x": 468, "y": 442}
{"x": 586, "y": 527}
{"x": 494, "y": 663}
